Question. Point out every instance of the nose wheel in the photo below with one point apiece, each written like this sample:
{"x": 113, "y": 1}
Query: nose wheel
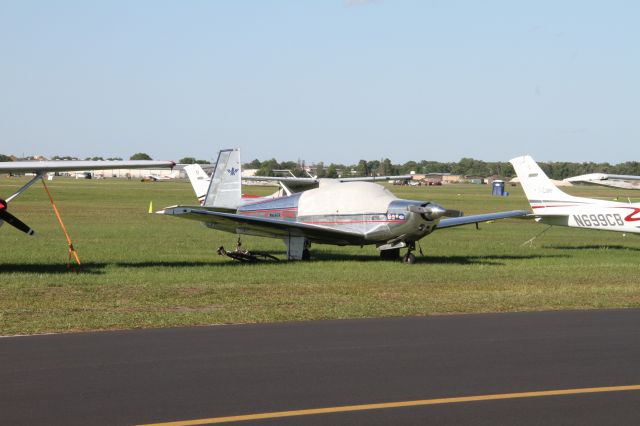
{"x": 409, "y": 258}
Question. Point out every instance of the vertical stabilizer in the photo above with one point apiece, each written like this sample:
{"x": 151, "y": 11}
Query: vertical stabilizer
{"x": 537, "y": 186}
{"x": 225, "y": 188}
{"x": 199, "y": 180}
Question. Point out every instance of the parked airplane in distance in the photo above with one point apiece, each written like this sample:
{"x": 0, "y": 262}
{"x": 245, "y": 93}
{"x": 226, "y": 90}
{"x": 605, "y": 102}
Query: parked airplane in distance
{"x": 41, "y": 168}
{"x": 554, "y": 207}
{"x": 347, "y": 213}
{"x": 607, "y": 179}
{"x": 154, "y": 177}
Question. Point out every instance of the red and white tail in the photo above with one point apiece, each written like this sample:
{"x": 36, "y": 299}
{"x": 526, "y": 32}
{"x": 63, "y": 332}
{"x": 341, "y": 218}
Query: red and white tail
{"x": 539, "y": 189}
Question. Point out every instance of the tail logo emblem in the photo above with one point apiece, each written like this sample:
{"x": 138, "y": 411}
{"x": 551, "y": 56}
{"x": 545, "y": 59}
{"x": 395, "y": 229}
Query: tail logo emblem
{"x": 232, "y": 171}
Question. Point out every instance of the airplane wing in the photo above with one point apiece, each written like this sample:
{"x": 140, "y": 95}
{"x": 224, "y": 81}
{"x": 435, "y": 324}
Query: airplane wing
{"x": 293, "y": 183}
{"x": 600, "y": 176}
{"x": 374, "y": 178}
{"x": 71, "y": 165}
{"x": 606, "y": 179}
{"x": 297, "y": 184}
{"x": 275, "y": 228}
{"x": 466, "y": 220}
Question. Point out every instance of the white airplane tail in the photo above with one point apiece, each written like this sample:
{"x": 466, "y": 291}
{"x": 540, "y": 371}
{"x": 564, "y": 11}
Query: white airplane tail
{"x": 537, "y": 186}
{"x": 199, "y": 180}
{"x": 225, "y": 190}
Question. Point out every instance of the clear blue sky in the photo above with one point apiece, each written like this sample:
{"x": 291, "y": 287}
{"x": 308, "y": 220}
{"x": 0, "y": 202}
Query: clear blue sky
{"x": 329, "y": 80}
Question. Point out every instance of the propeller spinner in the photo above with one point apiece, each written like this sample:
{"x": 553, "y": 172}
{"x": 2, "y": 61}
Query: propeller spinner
{"x": 5, "y": 216}
{"x": 431, "y": 211}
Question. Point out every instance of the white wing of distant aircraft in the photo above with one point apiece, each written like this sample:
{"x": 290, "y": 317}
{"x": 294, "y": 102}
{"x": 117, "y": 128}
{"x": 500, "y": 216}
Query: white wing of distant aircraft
{"x": 347, "y": 213}
{"x": 607, "y": 179}
{"x": 554, "y": 207}
{"x": 297, "y": 184}
{"x": 41, "y": 168}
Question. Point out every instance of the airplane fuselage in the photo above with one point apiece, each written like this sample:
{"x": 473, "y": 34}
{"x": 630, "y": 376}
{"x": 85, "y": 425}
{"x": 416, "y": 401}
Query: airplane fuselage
{"x": 608, "y": 216}
{"x": 366, "y": 208}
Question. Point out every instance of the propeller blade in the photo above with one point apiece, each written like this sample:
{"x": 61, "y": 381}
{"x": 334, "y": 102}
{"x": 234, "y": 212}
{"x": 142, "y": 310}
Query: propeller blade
{"x": 12, "y": 220}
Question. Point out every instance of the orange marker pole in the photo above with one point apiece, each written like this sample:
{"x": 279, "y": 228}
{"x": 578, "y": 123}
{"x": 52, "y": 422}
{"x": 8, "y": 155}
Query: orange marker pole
{"x": 72, "y": 250}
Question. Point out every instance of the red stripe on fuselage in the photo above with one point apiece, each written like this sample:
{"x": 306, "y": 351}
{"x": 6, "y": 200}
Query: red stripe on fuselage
{"x": 353, "y": 221}
{"x": 560, "y": 205}
{"x": 635, "y": 211}
{"x": 268, "y": 210}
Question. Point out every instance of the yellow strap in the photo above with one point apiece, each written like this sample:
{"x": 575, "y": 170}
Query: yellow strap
{"x": 72, "y": 250}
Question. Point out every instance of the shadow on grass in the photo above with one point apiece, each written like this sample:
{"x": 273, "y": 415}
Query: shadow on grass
{"x": 53, "y": 268}
{"x": 594, "y": 247}
{"x": 95, "y": 268}
{"x": 98, "y": 268}
{"x": 429, "y": 259}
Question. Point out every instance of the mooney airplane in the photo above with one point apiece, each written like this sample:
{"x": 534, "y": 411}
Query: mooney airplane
{"x": 606, "y": 179}
{"x": 41, "y": 168}
{"x": 553, "y": 207}
{"x": 288, "y": 184}
{"x": 348, "y": 213}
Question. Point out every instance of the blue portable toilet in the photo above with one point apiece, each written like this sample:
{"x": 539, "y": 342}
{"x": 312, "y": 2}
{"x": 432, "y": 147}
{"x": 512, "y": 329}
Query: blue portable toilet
{"x": 497, "y": 188}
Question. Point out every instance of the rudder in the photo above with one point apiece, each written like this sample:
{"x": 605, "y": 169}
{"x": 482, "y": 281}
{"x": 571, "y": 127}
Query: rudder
{"x": 537, "y": 186}
{"x": 225, "y": 190}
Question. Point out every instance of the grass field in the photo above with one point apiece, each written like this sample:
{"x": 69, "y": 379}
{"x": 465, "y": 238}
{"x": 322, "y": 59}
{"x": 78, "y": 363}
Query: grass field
{"x": 142, "y": 270}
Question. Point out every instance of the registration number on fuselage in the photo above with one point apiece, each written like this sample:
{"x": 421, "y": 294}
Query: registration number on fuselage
{"x": 598, "y": 220}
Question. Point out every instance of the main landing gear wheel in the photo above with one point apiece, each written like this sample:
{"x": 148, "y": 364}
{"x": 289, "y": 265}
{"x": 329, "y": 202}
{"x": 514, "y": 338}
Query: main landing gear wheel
{"x": 409, "y": 258}
{"x": 306, "y": 254}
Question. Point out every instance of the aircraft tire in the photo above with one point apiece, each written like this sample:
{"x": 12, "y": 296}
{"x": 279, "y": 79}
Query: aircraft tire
{"x": 409, "y": 258}
{"x": 306, "y": 254}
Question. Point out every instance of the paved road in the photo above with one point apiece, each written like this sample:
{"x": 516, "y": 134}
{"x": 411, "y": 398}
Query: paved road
{"x": 146, "y": 376}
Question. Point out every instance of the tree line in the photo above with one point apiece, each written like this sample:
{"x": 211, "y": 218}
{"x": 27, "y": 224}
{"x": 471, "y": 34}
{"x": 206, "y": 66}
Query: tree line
{"x": 384, "y": 167}
{"x": 465, "y": 167}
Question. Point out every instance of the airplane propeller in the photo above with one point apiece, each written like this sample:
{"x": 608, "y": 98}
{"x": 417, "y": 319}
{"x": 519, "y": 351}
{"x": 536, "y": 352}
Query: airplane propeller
{"x": 431, "y": 211}
{"x": 5, "y": 216}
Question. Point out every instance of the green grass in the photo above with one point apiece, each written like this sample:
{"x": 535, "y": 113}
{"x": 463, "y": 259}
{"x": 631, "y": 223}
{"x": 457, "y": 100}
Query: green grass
{"x": 142, "y": 270}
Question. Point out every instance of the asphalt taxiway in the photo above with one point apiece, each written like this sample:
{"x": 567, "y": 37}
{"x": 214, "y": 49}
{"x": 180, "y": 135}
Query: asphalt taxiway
{"x": 578, "y": 367}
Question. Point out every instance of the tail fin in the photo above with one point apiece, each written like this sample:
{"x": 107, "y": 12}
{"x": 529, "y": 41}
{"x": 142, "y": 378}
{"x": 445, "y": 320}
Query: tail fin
{"x": 225, "y": 187}
{"x": 537, "y": 186}
{"x": 199, "y": 180}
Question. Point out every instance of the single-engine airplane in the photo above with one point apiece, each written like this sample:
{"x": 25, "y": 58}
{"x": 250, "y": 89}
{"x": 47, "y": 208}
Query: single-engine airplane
{"x": 554, "y": 207}
{"x": 348, "y": 213}
{"x": 41, "y": 168}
